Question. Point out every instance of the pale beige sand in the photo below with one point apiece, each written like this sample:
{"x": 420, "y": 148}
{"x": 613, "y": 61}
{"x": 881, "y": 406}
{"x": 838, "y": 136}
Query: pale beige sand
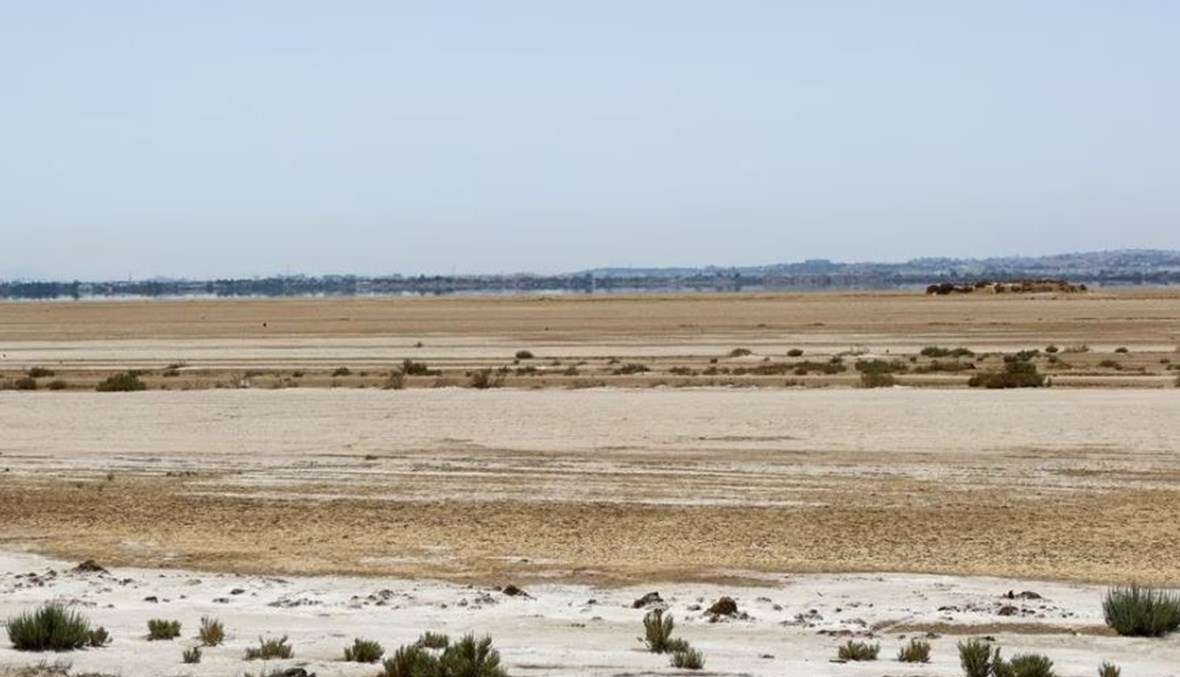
{"x": 601, "y": 484}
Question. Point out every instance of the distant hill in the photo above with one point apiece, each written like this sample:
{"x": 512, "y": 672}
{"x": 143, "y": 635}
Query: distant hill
{"x": 1118, "y": 267}
{"x": 1089, "y": 265}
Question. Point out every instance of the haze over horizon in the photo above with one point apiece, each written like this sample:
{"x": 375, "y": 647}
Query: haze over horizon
{"x": 228, "y": 140}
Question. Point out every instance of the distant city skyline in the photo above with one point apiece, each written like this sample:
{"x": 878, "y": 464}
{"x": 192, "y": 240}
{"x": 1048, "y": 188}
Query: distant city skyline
{"x": 223, "y": 139}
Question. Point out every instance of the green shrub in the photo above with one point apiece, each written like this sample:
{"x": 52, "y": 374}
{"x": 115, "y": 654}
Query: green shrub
{"x": 433, "y": 640}
{"x": 482, "y": 379}
{"x": 1141, "y": 612}
{"x": 469, "y": 657}
{"x": 1023, "y": 665}
{"x": 99, "y": 637}
{"x": 917, "y": 651}
{"x": 524, "y": 355}
{"x": 212, "y": 632}
{"x": 935, "y": 351}
{"x": 127, "y": 381}
{"x": 159, "y": 628}
{"x": 363, "y": 651}
{"x": 1014, "y": 375}
{"x": 412, "y": 368}
{"x": 192, "y": 655}
{"x": 976, "y": 658}
{"x": 269, "y": 649}
{"x": 858, "y": 651}
{"x": 795, "y": 352}
{"x": 410, "y": 661}
{"x": 687, "y": 658}
{"x": 880, "y": 366}
{"x": 1109, "y": 670}
{"x": 657, "y": 632}
{"x": 807, "y": 366}
{"x": 874, "y": 380}
{"x": 342, "y": 371}
{"x": 50, "y": 628}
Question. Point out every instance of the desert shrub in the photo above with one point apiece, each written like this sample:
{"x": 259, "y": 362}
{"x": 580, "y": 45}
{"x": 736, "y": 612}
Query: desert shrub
{"x": 740, "y": 352}
{"x": 937, "y": 366}
{"x": 1121, "y": 349}
{"x": 1109, "y": 670}
{"x": 875, "y": 380}
{"x": 524, "y": 355}
{"x": 212, "y": 632}
{"x": 159, "y": 628}
{"x": 410, "y": 661}
{"x": 342, "y": 371}
{"x": 470, "y": 657}
{"x": 39, "y": 372}
{"x": 687, "y": 658}
{"x": 917, "y": 651}
{"x": 976, "y": 658}
{"x": 363, "y": 651}
{"x": 1014, "y": 375}
{"x": 433, "y": 640}
{"x": 795, "y": 352}
{"x": 682, "y": 371}
{"x": 99, "y": 637}
{"x": 412, "y": 368}
{"x": 25, "y": 383}
{"x": 657, "y": 632}
{"x": 936, "y": 351}
{"x": 1022, "y": 355}
{"x": 806, "y": 367}
{"x": 1051, "y": 349}
{"x": 1083, "y": 348}
{"x": 858, "y": 651}
{"x": 880, "y": 366}
{"x": 127, "y": 381}
{"x": 50, "y": 628}
{"x": 396, "y": 380}
{"x": 57, "y": 384}
{"x": 483, "y": 379}
{"x": 1023, "y": 665}
{"x": 1141, "y": 612}
{"x": 269, "y": 649}
{"x": 191, "y": 655}
{"x": 631, "y": 368}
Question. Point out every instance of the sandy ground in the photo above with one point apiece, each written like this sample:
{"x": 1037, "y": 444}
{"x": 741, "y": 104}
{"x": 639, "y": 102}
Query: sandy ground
{"x": 794, "y": 624}
{"x": 600, "y": 485}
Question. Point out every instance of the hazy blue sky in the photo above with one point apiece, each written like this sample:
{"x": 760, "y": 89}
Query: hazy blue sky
{"x": 239, "y": 138}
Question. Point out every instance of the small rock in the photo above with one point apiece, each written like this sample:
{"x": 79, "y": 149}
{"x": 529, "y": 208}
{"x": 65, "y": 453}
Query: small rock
{"x": 1008, "y": 610}
{"x": 151, "y": 598}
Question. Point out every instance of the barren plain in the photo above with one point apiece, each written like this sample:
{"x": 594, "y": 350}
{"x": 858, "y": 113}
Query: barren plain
{"x": 641, "y": 442}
